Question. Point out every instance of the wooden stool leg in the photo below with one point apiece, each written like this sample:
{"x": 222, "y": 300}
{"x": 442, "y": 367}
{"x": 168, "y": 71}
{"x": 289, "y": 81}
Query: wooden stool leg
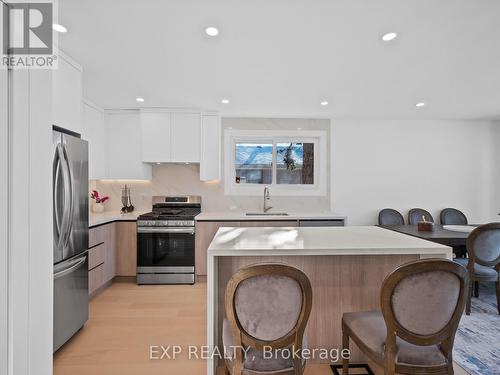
{"x": 469, "y": 298}
{"x": 345, "y": 361}
{"x": 476, "y": 289}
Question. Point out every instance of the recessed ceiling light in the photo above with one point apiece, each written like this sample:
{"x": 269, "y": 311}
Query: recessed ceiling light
{"x": 324, "y": 103}
{"x": 387, "y": 37}
{"x": 59, "y": 28}
{"x": 225, "y": 101}
{"x": 140, "y": 100}
{"x": 420, "y": 104}
{"x": 212, "y": 31}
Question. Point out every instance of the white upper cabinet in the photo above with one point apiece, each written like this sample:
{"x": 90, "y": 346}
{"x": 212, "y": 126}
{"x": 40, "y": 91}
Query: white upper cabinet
{"x": 94, "y": 131}
{"x": 67, "y": 94}
{"x": 170, "y": 137}
{"x": 210, "y": 147}
{"x": 185, "y": 137}
{"x": 156, "y": 135}
{"x": 124, "y": 146}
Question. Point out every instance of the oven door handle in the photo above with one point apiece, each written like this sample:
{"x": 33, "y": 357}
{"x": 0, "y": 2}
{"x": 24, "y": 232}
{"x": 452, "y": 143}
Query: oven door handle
{"x": 153, "y": 230}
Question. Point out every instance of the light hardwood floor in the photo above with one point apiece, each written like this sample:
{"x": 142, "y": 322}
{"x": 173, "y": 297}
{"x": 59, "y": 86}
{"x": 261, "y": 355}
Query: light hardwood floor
{"x": 126, "y": 319}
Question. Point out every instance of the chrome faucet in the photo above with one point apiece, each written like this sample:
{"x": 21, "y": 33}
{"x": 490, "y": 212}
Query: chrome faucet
{"x": 266, "y": 198}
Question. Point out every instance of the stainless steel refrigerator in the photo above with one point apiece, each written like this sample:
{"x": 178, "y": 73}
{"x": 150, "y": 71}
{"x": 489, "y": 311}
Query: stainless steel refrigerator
{"x": 71, "y": 228}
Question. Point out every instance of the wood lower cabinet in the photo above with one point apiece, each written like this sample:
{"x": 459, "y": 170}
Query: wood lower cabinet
{"x": 205, "y": 232}
{"x": 126, "y": 248}
{"x": 112, "y": 252}
{"x": 96, "y": 256}
{"x": 96, "y": 278}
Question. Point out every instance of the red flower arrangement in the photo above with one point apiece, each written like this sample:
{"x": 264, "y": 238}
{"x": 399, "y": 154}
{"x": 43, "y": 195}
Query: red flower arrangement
{"x": 95, "y": 195}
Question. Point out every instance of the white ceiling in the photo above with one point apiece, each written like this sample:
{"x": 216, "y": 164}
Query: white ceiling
{"x": 282, "y": 57}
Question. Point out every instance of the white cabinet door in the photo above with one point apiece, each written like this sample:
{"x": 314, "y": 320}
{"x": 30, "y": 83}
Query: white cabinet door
{"x": 210, "y": 148}
{"x": 185, "y": 137}
{"x": 94, "y": 131}
{"x": 125, "y": 147}
{"x": 67, "y": 94}
{"x": 156, "y": 136}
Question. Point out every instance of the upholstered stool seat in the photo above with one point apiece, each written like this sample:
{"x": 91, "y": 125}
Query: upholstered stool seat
{"x": 370, "y": 329}
{"x": 479, "y": 271}
{"x": 255, "y": 362}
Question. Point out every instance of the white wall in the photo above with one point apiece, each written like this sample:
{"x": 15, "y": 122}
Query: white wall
{"x": 405, "y": 164}
{"x": 4, "y": 214}
{"x": 29, "y": 214}
{"x": 496, "y": 169}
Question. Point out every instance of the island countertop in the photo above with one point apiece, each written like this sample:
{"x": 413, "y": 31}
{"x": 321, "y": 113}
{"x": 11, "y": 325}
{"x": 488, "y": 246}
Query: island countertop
{"x": 354, "y": 240}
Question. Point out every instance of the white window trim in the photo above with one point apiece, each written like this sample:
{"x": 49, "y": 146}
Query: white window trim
{"x": 276, "y": 136}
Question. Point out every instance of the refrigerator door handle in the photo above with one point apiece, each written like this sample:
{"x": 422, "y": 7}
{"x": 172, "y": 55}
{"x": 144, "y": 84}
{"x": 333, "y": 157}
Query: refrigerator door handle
{"x": 69, "y": 189}
{"x": 57, "y": 214}
{"x": 74, "y": 265}
{"x": 65, "y": 229}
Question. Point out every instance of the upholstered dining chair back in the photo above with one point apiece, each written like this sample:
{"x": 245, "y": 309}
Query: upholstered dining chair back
{"x": 422, "y": 302}
{"x": 268, "y": 305}
{"x": 389, "y": 216}
{"x": 416, "y": 214}
{"x": 483, "y": 245}
{"x": 452, "y": 216}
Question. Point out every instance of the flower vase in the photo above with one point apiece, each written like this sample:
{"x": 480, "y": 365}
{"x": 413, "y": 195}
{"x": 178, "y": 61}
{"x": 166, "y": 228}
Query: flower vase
{"x": 98, "y": 208}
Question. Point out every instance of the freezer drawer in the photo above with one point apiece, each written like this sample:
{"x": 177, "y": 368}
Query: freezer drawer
{"x": 71, "y": 296}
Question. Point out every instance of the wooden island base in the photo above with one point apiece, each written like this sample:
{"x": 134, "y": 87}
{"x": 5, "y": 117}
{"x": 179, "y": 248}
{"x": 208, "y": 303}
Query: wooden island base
{"x": 340, "y": 284}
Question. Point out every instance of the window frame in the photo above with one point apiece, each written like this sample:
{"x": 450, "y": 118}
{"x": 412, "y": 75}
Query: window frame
{"x": 318, "y": 137}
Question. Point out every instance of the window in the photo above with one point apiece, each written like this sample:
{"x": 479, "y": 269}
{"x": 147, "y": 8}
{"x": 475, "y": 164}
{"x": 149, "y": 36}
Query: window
{"x": 287, "y": 161}
{"x": 254, "y": 163}
{"x": 295, "y": 163}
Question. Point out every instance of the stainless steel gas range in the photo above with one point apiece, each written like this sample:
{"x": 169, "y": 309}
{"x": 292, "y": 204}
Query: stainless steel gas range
{"x": 166, "y": 241}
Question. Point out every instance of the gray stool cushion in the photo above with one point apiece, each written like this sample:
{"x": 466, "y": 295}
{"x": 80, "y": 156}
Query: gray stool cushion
{"x": 478, "y": 269}
{"x": 369, "y": 327}
{"x": 254, "y": 360}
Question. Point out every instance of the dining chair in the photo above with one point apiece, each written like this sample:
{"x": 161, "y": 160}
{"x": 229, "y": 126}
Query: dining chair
{"x": 422, "y": 303}
{"x": 416, "y": 214}
{"x": 266, "y": 305}
{"x": 483, "y": 262}
{"x": 452, "y": 216}
{"x": 389, "y": 216}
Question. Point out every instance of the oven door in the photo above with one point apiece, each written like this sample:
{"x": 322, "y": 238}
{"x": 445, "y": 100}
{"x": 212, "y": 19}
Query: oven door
{"x": 165, "y": 250}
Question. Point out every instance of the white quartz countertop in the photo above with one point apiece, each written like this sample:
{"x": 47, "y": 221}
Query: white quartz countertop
{"x": 241, "y": 216}
{"x": 355, "y": 240}
{"x": 106, "y": 217}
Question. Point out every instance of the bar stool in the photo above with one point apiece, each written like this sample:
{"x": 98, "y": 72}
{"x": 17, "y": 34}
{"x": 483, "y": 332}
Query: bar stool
{"x": 266, "y": 305}
{"x": 422, "y": 303}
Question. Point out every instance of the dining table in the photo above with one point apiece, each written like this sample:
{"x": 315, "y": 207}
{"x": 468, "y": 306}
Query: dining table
{"x": 450, "y": 235}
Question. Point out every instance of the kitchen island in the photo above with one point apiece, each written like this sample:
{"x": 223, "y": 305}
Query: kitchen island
{"x": 346, "y": 267}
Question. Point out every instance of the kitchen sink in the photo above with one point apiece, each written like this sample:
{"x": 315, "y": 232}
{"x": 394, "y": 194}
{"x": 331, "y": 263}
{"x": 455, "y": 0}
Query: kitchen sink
{"x": 266, "y": 214}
